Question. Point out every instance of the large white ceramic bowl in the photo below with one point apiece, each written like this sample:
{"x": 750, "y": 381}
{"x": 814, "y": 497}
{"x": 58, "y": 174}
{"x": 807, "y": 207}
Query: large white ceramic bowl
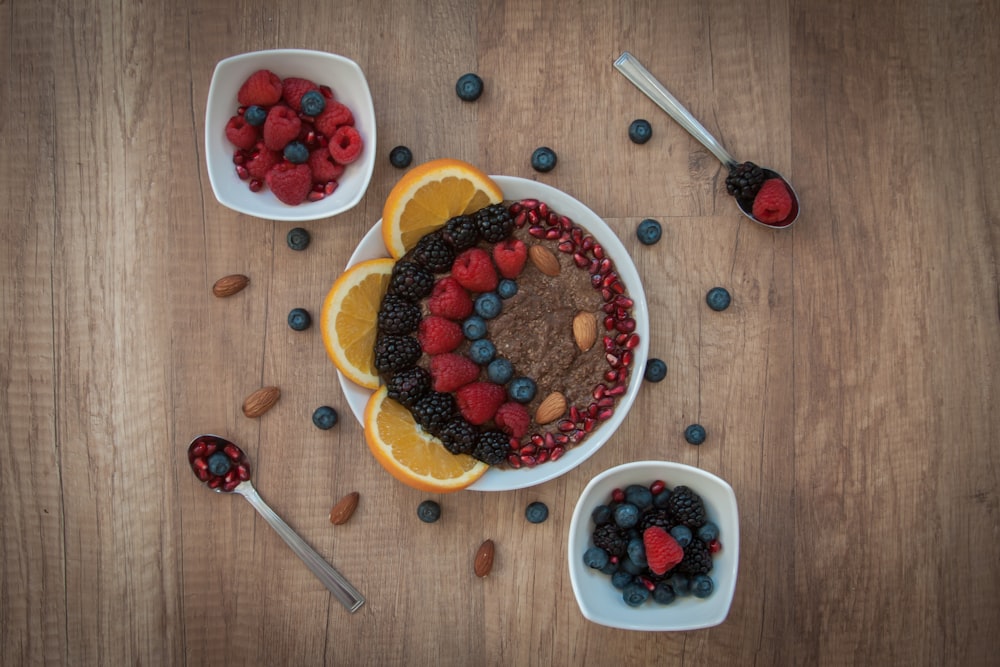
{"x": 602, "y": 603}
{"x": 349, "y": 86}
{"x": 499, "y": 479}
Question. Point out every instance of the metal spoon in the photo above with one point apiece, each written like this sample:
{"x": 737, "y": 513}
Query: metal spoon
{"x": 647, "y": 83}
{"x": 209, "y": 455}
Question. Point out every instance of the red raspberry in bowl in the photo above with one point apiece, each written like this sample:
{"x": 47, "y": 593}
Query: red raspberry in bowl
{"x": 290, "y": 183}
{"x": 262, "y": 88}
{"x": 293, "y": 88}
{"x": 281, "y": 127}
{"x": 241, "y": 133}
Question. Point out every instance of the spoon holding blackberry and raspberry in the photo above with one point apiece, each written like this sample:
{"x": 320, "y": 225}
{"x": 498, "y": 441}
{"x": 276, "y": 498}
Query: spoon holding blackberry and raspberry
{"x": 762, "y": 194}
{"x": 224, "y": 468}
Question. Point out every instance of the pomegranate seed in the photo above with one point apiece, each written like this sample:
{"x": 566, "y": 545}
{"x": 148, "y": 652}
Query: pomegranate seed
{"x": 203, "y": 475}
{"x": 565, "y": 223}
{"x": 626, "y": 326}
{"x": 595, "y": 282}
{"x": 233, "y": 452}
{"x": 239, "y": 158}
{"x": 241, "y": 110}
{"x": 322, "y": 140}
{"x": 529, "y": 203}
{"x": 520, "y": 219}
{"x": 594, "y": 266}
{"x": 229, "y": 486}
{"x": 514, "y": 460}
{"x": 330, "y": 187}
{"x": 621, "y": 338}
{"x": 622, "y": 375}
{"x": 515, "y": 208}
{"x": 617, "y": 288}
{"x": 624, "y": 302}
{"x": 533, "y": 217}
{"x": 543, "y": 456}
{"x": 210, "y": 447}
{"x": 606, "y": 401}
{"x": 242, "y": 172}
{"x": 566, "y": 246}
{"x": 556, "y": 453}
{"x": 536, "y": 231}
{"x": 529, "y": 461}
{"x": 198, "y": 449}
{"x": 552, "y": 219}
{"x": 587, "y": 243}
{"x": 537, "y": 440}
{"x": 613, "y": 360}
{"x": 607, "y": 294}
{"x": 200, "y": 464}
{"x": 592, "y": 410}
{"x": 617, "y": 390}
{"x": 609, "y": 322}
{"x": 599, "y": 391}
{"x": 231, "y": 476}
{"x": 311, "y": 138}
{"x": 561, "y": 439}
{"x": 543, "y": 210}
{"x": 316, "y": 196}
{"x": 317, "y": 187}
{"x": 618, "y": 496}
{"x": 550, "y": 441}
{"x": 566, "y": 425}
{"x": 614, "y": 559}
{"x": 605, "y": 414}
{"x": 243, "y": 472}
{"x": 516, "y": 445}
{"x": 528, "y": 450}
{"x": 715, "y": 546}
{"x": 574, "y": 413}
{"x": 256, "y": 185}
{"x": 627, "y": 358}
{"x": 611, "y": 375}
{"x": 605, "y": 263}
{"x": 657, "y": 487}
{"x": 632, "y": 341}
{"x": 326, "y": 91}
{"x": 598, "y": 251}
{"x": 552, "y": 234}
{"x": 647, "y": 583}
{"x": 589, "y": 424}
{"x": 608, "y": 308}
{"x": 215, "y": 482}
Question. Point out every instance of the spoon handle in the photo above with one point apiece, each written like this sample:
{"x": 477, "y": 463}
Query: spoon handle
{"x": 342, "y": 589}
{"x": 647, "y": 83}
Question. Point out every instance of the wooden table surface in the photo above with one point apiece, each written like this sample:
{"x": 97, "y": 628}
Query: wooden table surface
{"x": 850, "y": 393}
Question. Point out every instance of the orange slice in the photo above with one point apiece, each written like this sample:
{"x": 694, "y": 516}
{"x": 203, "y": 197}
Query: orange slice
{"x": 349, "y": 320}
{"x": 428, "y": 196}
{"x": 412, "y": 455}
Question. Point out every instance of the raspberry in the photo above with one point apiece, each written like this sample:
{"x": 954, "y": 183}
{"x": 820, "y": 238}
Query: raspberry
{"x": 773, "y": 202}
{"x": 479, "y": 401}
{"x": 449, "y": 299}
{"x": 293, "y": 88}
{"x": 662, "y": 551}
{"x": 262, "y": 160}
{"x": 474, "y": 271}
{"x": 290, "y": 183}
{"x": 333, "y": 116}
{"x": 438, "y": 335}
{"x": 345, "y": 145}
{"x": 510, "y": 256}
{"x": 451, "y": 371}
{"x": 262, "y": 88}
{"x": 513, "y": 419}
{"x": 282, "y": 126}
{"x": 241, "y": 133}
{"x": 323, "y": 167}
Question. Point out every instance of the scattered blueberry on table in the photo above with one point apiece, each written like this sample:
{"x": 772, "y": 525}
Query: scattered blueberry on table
{"x": 695, "y": 434}
{"x": 543, "y": 159}
{"x": 429, "y": 511}
{"x": 649, "y": 231}
{"x": 656, "y": 370}
{"x": 299, "y": 319}
{"x": 298, "y": 238}
{"x": 640, "y": 131}
{"x": 469, "y": 87}
{"x": 536, "y": 512}
{"x": 324, "y": 417}
{"x": 718, "y": 298}
{"x": 400, "y": 157}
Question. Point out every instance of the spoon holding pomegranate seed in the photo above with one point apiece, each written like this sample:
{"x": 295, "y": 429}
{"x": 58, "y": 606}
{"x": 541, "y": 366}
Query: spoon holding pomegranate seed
{"x": 224, "y": 468}
{"x": 778, "y": 205}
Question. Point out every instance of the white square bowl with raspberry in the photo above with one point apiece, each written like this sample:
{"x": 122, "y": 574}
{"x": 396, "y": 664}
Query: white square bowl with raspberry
{"x": 342, "y": 81}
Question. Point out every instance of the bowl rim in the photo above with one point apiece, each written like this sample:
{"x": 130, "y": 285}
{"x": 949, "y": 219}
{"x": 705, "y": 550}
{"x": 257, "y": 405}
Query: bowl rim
{"x": 709, "y": 612}
{"x": 218, "y": 160}
{"x": 515, "y": 187}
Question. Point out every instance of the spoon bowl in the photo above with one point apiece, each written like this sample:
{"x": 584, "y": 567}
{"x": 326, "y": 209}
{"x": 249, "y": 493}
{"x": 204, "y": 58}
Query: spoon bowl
{"x": 634, "y": 71}
{"x": 224, "y": 468}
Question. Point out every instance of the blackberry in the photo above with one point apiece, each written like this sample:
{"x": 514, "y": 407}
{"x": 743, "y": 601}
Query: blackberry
{"x": 434, "y": 410}
{"x": 492, "y": 447}
{"x": 697, "y": 559}
{"x": 744, "y": 181}
{"x": 495, "y": 222}
{"x": 458, "y": 436}
{"x": 656, "y": 517}
{"x": 686, "y": 507}
{"x": 433, "y": 253}
{"x": 395, "y": 353}
{"x": 410, "y": 281}
{"x": 398, "y": 315}
{"x": 461, "y": 232}
{"x": 610, "y": 538}
{"x": 409, "y": 386}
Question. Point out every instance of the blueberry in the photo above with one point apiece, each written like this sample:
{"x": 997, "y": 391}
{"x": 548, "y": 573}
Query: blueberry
{"x": 661, "y": 498}
{"x": 601, "y": 515}
{"x": 708, "y": 532}
{"x": 255, "y": 115}
{"x": 324, "y": 417}
{"x": 632, "y": 567}
{"x": 681, "y": 584}
{"x": 474, "y": 328}
{"x": 299, "y": 319}
{"x": 649, "y": 231}
{"x": 621, "y": 579}
{"x": 695, "y": 434}
{"x": 507, "y": 288}
{"x": 296, "y": 152}
{"x": 640, "y": 131}
{"x": 536, "y": 512}
{"x": 487, "y": 305}
{"x": 500, "y": 371}
{"x": 482, "y": 351}
{"x": 702, "y": 586}
{"x": 635, "y": 594}
{"x": 219, "y": 464}
{"x": 313, "y": 103}
{"x": 682, "y": 534}
{"x": 595, "y": 557}
{"x": 656, "y": 370}
{"x": 522, "y": 389}
{"x": 428, "y": 511}
{"x": 298, "y": 238}
{"x": 400, "y": 157}
{"x": 718, "y": 298}
{"x": 626, "y": 515}
{"x": 663, "y": 593}
{"x": 637, "y": 552}
{"x": 638, "y": 495}
{"x": 610, "y": 568}
{"x": 469, "y": 87}
{"x": 543, "y": 159}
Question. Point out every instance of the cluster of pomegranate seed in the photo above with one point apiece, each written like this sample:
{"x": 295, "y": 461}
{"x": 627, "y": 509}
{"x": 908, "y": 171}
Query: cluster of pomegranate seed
{"x": 219, "y": 463}
{"x": 619, "y": 339}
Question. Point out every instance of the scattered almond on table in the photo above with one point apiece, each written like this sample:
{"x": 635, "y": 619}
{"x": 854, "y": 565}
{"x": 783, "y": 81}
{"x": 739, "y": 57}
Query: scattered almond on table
{"x": 261, "y": 401}
{"x": 230, "y": 285}
{"x": 483, "y": 562}
{"x": 344, "y": 508}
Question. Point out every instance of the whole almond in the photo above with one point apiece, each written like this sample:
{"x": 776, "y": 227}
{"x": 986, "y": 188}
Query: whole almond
{"x": 584, "y": 330}
{"x": 543, "y": 258}
{"x": 229, "y": 285}
{"x": 551, "y": 409}
{"x": 484, "y": 559}
{"x": 261, "y": 401}
{"x": 344, "y": 508}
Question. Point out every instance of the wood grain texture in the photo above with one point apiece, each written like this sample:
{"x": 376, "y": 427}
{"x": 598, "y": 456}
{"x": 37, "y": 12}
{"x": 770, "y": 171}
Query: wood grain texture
{"x": 850, "y": 392}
